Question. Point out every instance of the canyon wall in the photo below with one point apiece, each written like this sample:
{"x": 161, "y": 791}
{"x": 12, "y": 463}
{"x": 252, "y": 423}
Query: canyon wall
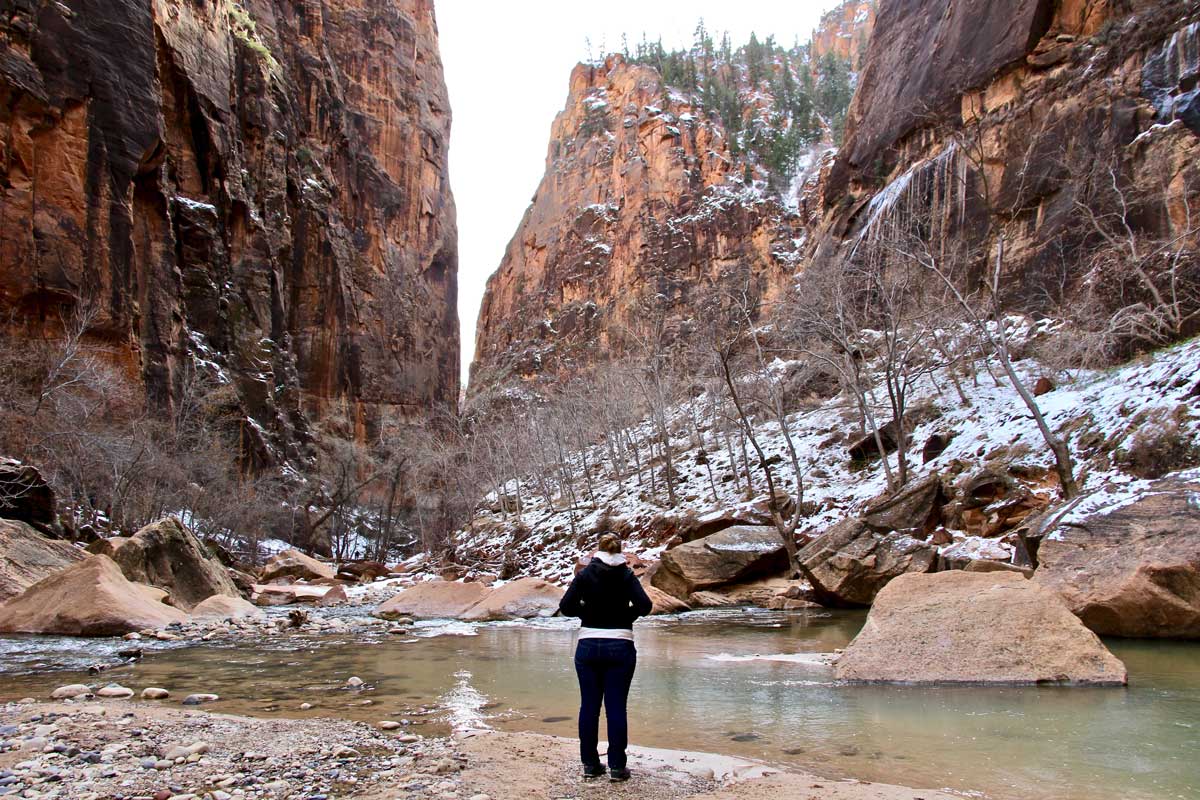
{"x": 256, "y": 191}
{"x": 1006, "y": 121}
{"x": 642, "y": 219}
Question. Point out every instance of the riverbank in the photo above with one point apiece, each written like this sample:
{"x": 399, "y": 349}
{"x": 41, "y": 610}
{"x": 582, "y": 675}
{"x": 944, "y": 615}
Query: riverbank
{"x": 120, "y": 749}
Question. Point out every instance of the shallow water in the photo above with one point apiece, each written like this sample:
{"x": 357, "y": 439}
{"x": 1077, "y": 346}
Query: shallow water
{"x": 700, "y": 686}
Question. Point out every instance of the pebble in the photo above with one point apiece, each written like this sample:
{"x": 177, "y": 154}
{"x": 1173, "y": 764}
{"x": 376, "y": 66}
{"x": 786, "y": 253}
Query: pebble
{"x": 354, "y": 682}
{"x": 389, "y": 725}
{"x": 70, "y": 691}
{"x": 198, "y": 699}
{"x": 305, "y": 706}
{"x": 154, "y": 693}
{"x": 115, "y": 691}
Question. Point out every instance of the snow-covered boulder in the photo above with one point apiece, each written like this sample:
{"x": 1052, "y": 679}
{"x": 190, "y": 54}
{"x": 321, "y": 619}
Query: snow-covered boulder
{"x": 1131, "y": 567}
{"x": 734, "y": 555}
{"x": 849, "y": 563}
{"x": 964, "y": 627}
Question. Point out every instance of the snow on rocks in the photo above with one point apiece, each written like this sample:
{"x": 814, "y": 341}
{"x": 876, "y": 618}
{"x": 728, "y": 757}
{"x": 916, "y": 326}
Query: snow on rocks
{"x": 1100, "y": 413}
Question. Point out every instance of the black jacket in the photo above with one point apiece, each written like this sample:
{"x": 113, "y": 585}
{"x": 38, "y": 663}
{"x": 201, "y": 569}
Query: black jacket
{"x": 605, "y": 597}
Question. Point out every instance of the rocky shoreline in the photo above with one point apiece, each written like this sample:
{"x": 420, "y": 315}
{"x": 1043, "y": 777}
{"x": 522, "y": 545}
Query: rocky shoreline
{"x": 124, "y": 750}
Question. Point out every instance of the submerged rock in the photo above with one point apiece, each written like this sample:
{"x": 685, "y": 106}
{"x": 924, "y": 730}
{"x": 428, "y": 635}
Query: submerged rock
{"x": 963, "y": 627}
{"x": 849, "y": 564}
{"x": 1132, "y": 568}
{"x": 734, "y": 555}
{"x": 90, "y": 598}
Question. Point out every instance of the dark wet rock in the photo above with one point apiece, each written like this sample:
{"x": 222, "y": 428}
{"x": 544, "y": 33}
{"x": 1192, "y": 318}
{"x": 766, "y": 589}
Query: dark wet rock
{"x": 732, "y": 556}
{"x": 850, "y": 563}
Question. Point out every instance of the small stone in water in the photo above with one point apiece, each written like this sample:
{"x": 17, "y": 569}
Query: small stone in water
{"x": 115, "y": 690}
{"x": 354, "y": 682}
{"x": 305, "y": 706}
{"x": 197, "y": 699}
{"x": 69, "y": 691}
{"x": 389, "y": 725}
{"x": 154, "y": 693}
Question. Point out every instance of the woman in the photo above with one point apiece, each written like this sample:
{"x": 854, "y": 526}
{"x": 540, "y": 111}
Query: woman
{"x": 607, "y": 598}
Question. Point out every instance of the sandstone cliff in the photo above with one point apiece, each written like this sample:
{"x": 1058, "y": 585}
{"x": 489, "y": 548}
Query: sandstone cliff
{"x": 643, "y": 218}
{"x": 674, "y": 188}
{"x": 258, "y": 191}
{"x": 1006, "y": 121}
{"x": 845, "y": 31}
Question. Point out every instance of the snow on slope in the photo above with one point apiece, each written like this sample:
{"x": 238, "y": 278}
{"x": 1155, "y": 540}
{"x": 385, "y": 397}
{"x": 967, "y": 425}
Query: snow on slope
{"x": 1099, "y": 412}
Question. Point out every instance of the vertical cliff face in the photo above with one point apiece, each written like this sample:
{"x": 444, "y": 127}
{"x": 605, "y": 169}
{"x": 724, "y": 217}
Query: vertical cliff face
{"x": 1003, "y": 121}
{"x": 258, "y": 190}
{"x": 642, "y": 218}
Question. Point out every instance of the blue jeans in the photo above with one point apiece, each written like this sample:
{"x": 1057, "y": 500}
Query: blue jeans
{"x": 605, "y": 669}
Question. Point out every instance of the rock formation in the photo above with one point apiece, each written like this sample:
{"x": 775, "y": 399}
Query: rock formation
{"x": 961, "y": 627}
{"x": 257, "y": 192}
{"x": 89, "y": 598}
{"x": 1131, "y": 568}
{"x": 27, "y": 557}
{"x": 166, "y": 555}
{"x": 221, "y": 606}
{"x": 989, "y": 122}
{"x": 524, "y": 598}
{"x": 433, "y": 600}
{"x": 845, "y": 32}
{"x": 294, "y": 564}
{"x": 850, "y": 564}
{"x": 734, "y": 555}
{"x": 641, "y": 220}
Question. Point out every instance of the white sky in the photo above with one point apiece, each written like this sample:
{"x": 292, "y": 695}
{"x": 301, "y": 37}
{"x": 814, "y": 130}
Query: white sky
{"x": 507, "y": 68}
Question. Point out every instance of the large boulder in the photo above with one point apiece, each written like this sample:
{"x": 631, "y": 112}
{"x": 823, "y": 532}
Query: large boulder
{"x": 433, "y": 600}
{"x": 285, "y": 594}
{"x": 916, "y": 509}
{"x": 221, "y": 606}
{"x": 89, "y": 598}
{"x": 27, "y": 556}
{"x": 663, "y": 603}
{"x": 25, "y": 496}
{"x": 524, "y": 598}
{"x": 963, "y": 627}
{"x": 166, "y": 554}
{"x": 294, "y": 564}
{"x": 1131, "y": 568}
{"x": 849, "y": 563}
{"x": 734, "y": 555}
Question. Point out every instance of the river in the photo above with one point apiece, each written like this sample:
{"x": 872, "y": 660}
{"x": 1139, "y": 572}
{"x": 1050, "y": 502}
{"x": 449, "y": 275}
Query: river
{"x": 743, "y": 682}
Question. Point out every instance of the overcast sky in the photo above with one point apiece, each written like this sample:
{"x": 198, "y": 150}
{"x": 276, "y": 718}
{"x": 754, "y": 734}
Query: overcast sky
{"x": 507, "y": 67}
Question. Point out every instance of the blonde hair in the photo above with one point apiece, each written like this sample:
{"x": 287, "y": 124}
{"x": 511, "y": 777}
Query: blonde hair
{"x": 610, "y": 543}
